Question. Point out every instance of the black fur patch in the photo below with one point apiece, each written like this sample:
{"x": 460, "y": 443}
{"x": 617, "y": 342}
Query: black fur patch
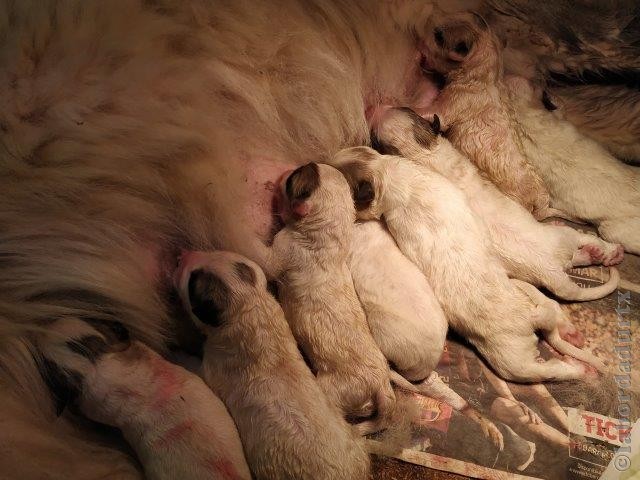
{"x": 246, "y": 273}
{"x": 363, "y": 195}
{"x": 383, "y": 148}
{"x": 302, "y": 182}
{"x": 65, "y": 386}
{"x": 546, "y": 101}
{"x": 208, "y": 296}
{"x": 91, "y": 347}
{"x": 627, "y": 78}
{"x": 424, "y": 133}
{"x": 438, "y": 36}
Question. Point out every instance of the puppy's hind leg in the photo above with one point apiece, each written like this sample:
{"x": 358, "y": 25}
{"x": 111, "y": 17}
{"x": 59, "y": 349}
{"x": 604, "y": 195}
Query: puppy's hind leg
{"x": 625, "y": 231}
{"x": 567, "y": 330}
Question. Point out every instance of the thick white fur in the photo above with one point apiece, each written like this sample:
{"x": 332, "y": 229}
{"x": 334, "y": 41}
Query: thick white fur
{"x": 288, "y": 427}
{"x": 176, "y": 425}
{"x": 477, "y": 110}
{"x": 535, "y": 252}
{"x": 130, "y": 129}
{"x": 435, "y": 228}
{"x": 319, "y": 300}
{"x": 583, "y": 178}
{"x": 404, "y": 316}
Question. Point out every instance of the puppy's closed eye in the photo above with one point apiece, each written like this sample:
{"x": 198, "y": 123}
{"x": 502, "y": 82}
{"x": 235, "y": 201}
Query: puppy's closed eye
{"x": 208, "y": 297}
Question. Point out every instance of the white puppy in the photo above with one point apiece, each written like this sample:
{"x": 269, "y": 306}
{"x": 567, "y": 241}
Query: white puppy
{"x": 404, "y": 316}
{"x": 171, "y": 418}
{"x": 535, "y": 252}
{"x": 288, "y": 427}
{"x": 583, "y": 178}
{"x": 318, "y": 297}
{"x": 434, "y": 227}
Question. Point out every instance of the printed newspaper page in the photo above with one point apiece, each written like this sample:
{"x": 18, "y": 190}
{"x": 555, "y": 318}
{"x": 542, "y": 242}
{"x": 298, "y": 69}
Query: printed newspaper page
{"x": 556, "y": 431}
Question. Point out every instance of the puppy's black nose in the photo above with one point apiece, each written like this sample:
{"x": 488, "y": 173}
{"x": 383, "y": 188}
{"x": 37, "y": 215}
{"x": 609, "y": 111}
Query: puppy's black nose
{"x": 438, "y": 35}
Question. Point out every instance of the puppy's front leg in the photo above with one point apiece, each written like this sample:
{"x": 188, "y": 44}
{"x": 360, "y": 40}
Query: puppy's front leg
{"x": 174, "y": 422}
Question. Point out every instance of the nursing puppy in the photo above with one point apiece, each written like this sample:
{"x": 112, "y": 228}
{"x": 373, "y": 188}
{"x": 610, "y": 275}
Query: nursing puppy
{"x": 171, "y": 418}
{"x": 404, "y": 316}
{"x": 435, "y": 228}
{"x": 475, "y": 105}
{"x": 535, "y": 252}
{"x": 288, "y": 427}
{"x": 318, "y": 297}
{"x": 583, "y": 178}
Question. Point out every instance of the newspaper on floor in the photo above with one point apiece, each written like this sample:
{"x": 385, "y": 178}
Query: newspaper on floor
{"x": 556, "y": 431}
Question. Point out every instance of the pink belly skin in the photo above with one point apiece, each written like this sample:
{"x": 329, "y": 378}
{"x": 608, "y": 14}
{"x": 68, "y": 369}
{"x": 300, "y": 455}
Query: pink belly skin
{"x": 261, "y": 176}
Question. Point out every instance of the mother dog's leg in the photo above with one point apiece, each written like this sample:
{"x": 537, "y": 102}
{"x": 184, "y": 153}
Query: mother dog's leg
{"x": 176, "y": 425}
{"x": 37, "y": 444}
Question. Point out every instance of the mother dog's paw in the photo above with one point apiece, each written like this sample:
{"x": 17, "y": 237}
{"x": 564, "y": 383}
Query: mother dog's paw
{"x": 71, "y": 348}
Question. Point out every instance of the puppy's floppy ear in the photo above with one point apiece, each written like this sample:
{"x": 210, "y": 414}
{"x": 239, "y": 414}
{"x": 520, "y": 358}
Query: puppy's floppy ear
{"x": 208, "y": 297}
{"x": 363, "y": 194}
{"x": 302, "y": 182}
{"x": 358, "y": 178}
{"x": 435, "y": 124}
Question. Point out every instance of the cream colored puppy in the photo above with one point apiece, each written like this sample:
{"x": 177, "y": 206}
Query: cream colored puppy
{"x": 435, "y": 228}
{"x": 288, "y": 427}
{"x": 404, "y": 316}
{"x": 170, "y": 417}
{"x": 477, "y": 109}
{"x": 535, "y": 252}
{"x": 583, "y": 178}
{"x": 318, "y": 297}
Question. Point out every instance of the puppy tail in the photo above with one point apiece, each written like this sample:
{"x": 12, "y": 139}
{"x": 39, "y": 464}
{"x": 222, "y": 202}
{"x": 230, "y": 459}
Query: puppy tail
{"x": 564, "y": 347}
{"x": 385, "y": 402}
{"x": 566, "y": 289}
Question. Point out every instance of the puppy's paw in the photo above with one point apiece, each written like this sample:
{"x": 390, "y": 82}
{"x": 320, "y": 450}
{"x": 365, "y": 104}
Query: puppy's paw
{"x": 488, "y": 427}
{"x": 593, "y": 252}
{"x": 613, "y": 255}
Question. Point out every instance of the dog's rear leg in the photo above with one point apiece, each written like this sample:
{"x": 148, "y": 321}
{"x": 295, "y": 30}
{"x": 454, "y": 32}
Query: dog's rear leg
{"x": 174, "y": 422}
{"x": 567, "y": 330}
